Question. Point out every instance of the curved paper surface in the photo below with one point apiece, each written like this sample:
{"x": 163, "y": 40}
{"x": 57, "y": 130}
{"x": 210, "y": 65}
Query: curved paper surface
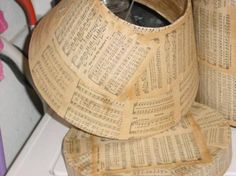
{"x": 199, "y": 145}
{"x": 111, "y": 78}
{"x": 215, "y": 23}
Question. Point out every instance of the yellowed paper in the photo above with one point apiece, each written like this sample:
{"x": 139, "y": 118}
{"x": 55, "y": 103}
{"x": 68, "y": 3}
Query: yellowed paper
{"x": 176, "y": 152}
{"x": 112, "y": 78}
{"x": 215, "y": 24}
{"x": 183, "y": 144}
{"x": 218, "y": 91}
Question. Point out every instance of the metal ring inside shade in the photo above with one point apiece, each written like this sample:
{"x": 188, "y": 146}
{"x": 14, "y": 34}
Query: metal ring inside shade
{"x": 117, "y": 6}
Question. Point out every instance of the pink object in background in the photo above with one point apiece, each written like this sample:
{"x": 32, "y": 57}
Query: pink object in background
{"x": 1, "y": 71}
{"x": 3, "y": 28}
{"x": 1, "y": 66}
{"x": 3, "y": 23}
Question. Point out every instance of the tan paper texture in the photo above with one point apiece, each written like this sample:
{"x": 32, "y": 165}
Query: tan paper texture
{"x": 112, "y": 78}
{"x": 215, "y": 24}
{"x": 178, "y": 151}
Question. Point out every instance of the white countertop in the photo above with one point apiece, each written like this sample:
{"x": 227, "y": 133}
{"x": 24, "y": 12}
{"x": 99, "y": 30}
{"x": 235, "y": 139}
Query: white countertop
{"x": 41, "y": 156}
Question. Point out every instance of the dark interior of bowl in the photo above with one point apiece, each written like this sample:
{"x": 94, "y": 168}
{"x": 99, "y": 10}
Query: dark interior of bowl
{"x": 136, "y": 13}
{"x": 141, "y": 15}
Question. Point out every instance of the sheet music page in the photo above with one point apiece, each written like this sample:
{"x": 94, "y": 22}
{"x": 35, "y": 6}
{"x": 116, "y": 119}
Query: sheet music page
{"x": 183, "y": 144}
{"x": 215, "y": 24}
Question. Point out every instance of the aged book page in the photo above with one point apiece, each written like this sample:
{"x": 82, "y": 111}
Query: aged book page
{"x": 112, "y": 78}
{"x": 215, "y": 24}
{"x": 176, "y": 152}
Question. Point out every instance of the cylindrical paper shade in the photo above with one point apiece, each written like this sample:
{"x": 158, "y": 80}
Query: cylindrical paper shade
{"x": 215, "y": 23}
{"x": 112, "y": 78}
{"x": 200, "y": 145}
